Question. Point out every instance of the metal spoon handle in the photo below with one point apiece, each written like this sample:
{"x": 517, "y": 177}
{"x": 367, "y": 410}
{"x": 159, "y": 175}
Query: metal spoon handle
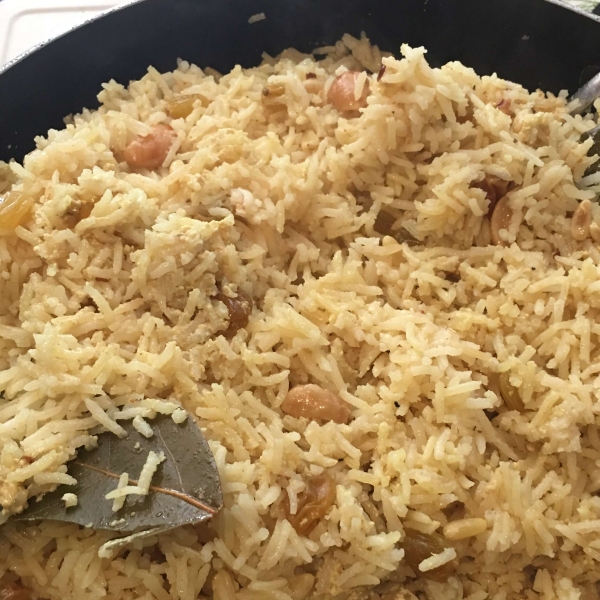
{"x": 586, "y": 95}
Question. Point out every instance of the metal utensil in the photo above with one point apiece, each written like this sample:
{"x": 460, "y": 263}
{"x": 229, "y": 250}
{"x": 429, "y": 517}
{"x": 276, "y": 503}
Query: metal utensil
{"x": 586, "y": 95}
{"x": 582, "y": 101}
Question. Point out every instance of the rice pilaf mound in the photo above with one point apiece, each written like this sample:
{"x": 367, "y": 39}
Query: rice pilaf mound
{"x": 417, "y": 246}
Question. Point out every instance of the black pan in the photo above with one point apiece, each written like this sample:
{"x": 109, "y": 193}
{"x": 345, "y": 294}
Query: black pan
{"x": 534, "y": 42}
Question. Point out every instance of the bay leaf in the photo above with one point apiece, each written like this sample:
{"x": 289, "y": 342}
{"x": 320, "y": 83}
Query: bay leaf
{"x": 185, "y": 488}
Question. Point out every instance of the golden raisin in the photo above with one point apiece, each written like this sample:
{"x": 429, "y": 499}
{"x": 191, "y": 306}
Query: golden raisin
{"x": 273, "y": 97}
{"x": 314, "y": 402}
{"x": 86, "y": 210}
{"x": 13, "y": 591}
{"x": 581, "y": 221}
{"x": 494, "y": 188}
{"x": 77, "y": 211}
{"x": 181, "y": 107}
{"x": 14, "y": 208}
{"x": 239, "y": 309}
{"x": 500, "y": 219}
{"x": 510, "y": 394}
{"x": 150, "y": 151}
{"x": 420, "y": 546}
{"x": 313, "y": 504}
{"x": 342, "y": 93}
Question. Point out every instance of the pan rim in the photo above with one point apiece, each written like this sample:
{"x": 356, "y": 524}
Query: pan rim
{"x": 129, "y": 3}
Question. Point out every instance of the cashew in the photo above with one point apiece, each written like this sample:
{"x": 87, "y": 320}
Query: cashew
{"x": 150, "y": 151}
{"x": 342, "y": 93}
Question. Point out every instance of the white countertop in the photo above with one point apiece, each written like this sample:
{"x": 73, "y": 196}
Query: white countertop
{"x": 25, "y": 23}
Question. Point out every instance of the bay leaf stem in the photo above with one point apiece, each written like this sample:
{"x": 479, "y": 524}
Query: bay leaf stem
{"x": 155, "y": 488}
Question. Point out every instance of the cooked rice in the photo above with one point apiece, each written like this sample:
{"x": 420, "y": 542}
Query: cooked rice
{"x": 256, "y": 18}
{"x": 437, "y": 560}
{"x": 142, "y": 427}
{"x": 142, "y": 487}
{"x": 70, "y": 500}
{"x": 114, "y": 318}
{"x": 119, "y": 500}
